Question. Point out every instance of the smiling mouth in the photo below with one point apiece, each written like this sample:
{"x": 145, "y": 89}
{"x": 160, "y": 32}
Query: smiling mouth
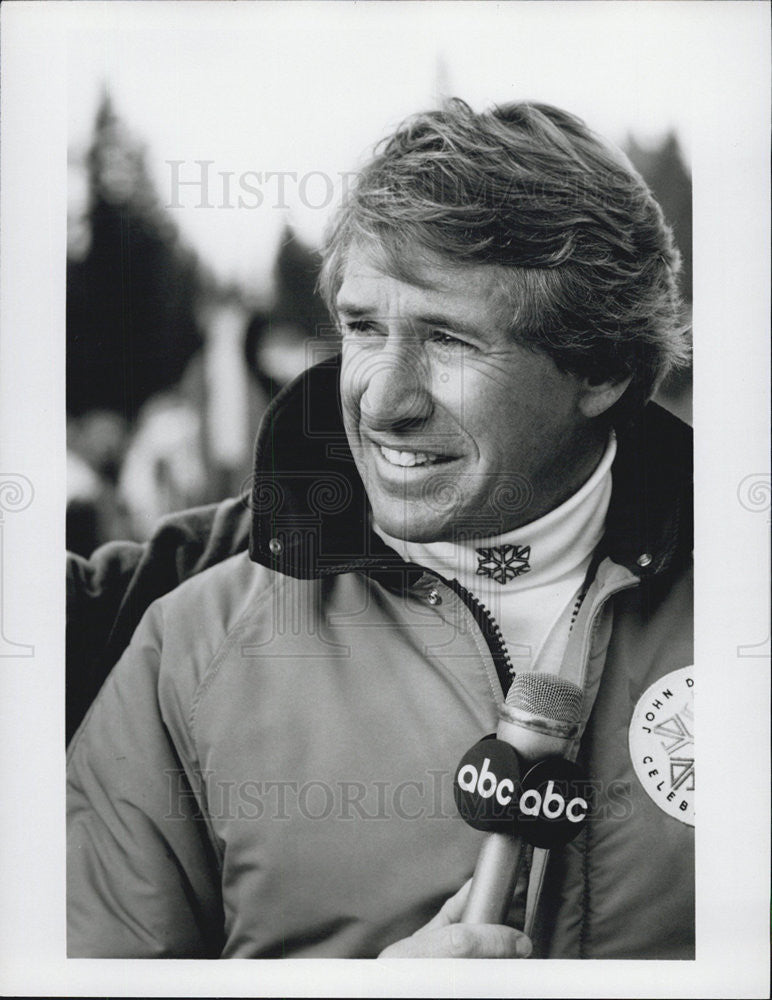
{"x": 408, "y": 459}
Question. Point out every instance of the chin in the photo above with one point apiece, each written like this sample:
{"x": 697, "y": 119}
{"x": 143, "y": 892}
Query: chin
{"x": 412, "y": 529}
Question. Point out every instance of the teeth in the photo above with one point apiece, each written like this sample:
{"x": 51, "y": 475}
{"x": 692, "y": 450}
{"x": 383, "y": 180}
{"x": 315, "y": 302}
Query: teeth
{"x": 406, "y": 459}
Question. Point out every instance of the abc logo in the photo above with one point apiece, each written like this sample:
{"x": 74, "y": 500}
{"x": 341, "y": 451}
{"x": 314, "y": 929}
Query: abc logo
{"x": 552, "y": 805}
{"x": 546, "y": 806}
{"x": 486, "y": 785}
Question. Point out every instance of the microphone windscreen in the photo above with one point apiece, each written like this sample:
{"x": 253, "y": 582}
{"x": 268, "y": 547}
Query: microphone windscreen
{"x": 546, "y": 695}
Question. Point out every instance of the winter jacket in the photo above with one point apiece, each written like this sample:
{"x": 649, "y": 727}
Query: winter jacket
{"x": 268, "y": 769}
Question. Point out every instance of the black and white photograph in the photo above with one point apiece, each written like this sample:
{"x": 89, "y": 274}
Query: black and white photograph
{"x": 391, "y": 379}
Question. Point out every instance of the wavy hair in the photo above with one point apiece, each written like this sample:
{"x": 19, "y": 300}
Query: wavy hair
{"x": 586, "y": 257}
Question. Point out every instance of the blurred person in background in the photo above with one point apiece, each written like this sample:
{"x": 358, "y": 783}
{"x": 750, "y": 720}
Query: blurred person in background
{"x": 164, "y": 469}
{"x": 96, "y": 445}
{"x": 478, "y": 488}
{"x": 275, "y": 351}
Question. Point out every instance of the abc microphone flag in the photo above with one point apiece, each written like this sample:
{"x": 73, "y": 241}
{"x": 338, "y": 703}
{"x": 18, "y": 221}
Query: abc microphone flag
{"x": 517, "y": 786}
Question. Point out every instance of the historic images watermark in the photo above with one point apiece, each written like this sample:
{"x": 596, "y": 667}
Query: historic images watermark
{"x": 754, "y": 494}
{"x": 427, "y": 797}
{"x": 201, "y": 184}
{"x": 196, "y": 184}
{"x": 16, "y": 494}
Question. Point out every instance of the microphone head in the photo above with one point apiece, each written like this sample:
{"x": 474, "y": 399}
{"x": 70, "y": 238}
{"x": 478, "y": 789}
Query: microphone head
{"x": 541, "y": 716}
{"x": 546, "y": 695}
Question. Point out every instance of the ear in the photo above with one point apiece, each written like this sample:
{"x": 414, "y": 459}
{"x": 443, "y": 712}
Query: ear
{"x": 596, "y": 397}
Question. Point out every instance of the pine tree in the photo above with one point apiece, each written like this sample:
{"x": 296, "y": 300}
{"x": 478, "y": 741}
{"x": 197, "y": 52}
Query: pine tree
{"x": 296, "y": 272}
{"x": 131, "y": 324}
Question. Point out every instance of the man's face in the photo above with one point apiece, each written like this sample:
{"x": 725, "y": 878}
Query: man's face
{"x": 454, "y": 427}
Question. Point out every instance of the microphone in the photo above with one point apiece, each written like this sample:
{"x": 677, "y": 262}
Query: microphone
{"x": 539, "y": 719}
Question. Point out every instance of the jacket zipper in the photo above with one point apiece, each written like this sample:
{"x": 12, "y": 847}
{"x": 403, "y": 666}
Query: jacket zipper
{"x": 491, "y": 633}
{"x": 484, "y": 620}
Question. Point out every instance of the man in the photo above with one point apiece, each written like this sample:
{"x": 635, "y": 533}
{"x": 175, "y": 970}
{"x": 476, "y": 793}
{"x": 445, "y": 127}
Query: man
{"x": 477, "y": 489}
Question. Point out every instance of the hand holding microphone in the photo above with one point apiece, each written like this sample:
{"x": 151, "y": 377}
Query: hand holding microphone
{"x": 446, "y": 937}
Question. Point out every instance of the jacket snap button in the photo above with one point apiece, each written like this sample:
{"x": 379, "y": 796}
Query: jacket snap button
{"x": 434, "y": 597}
{"x": 644, "y": 560}
{"x": 275, "y": 546}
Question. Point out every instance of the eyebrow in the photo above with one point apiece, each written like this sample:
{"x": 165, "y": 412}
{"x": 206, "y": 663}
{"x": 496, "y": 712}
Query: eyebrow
{"x": 350, "y": 309}
{"x": 438, "y": 319}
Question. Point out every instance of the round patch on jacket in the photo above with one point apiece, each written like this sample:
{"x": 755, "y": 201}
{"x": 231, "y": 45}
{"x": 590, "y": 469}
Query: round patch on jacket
{"x": 662, "y": 743}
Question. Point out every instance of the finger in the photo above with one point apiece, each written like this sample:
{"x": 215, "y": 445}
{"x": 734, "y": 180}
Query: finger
{"x": 452, "y": 909}
{"x": 462, "y": 941}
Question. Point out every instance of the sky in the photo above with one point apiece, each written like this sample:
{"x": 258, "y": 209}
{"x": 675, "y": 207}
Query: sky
{"x": 304, "y": 90}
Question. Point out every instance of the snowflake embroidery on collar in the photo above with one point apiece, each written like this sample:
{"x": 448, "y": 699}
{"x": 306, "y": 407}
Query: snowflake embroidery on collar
{"x": 503, "y": 562}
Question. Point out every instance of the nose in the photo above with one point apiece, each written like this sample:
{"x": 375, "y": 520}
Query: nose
{"x": 396, "y": 392}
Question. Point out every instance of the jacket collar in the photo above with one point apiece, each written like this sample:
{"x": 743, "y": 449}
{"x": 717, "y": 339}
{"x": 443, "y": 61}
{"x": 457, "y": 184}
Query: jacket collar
{"x": 310, "y": 514}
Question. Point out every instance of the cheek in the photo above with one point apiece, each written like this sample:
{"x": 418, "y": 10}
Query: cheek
{"x": 506, "y": 446}
{"x": 512, "y": 420}
{"x": 483, "y": 401}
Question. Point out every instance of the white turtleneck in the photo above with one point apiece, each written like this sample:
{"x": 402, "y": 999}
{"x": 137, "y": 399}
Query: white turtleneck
{"x": 533, "y": 575}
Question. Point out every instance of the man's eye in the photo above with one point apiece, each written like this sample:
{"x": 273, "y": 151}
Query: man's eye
{"x": 358, "y": 328}
{"x": 448, "y": 340}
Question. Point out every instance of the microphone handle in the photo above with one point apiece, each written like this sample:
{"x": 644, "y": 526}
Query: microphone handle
{"x": 494, "y": 879}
